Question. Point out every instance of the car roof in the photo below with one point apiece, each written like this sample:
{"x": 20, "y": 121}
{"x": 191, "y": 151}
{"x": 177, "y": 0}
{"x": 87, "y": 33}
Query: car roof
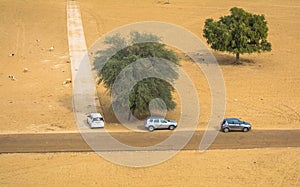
{"x": 231, "y": 119}
{"x": 155, "y": 117}
{"x": 96, "y": 115}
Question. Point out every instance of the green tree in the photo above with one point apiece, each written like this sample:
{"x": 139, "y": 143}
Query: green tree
{"x": 238, "y": 33}
{"x": 121, "y": 53}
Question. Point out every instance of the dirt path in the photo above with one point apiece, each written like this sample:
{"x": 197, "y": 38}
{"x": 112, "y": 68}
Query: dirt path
{"x": 73, "y": 142}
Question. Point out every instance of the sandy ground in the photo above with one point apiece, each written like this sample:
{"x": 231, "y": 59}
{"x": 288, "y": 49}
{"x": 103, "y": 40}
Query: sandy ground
{"x": 36, "y": 100}
{"x": 274, "y": 167}
{"x": 263, "y": 91}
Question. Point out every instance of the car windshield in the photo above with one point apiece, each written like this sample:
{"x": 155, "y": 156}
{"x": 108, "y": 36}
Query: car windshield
{"x": 98, "y": 119}
{"x": 240, "y": 121}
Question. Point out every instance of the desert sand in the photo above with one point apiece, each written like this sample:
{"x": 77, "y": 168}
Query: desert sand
{"x": 271, "y": 167}
{"x": 37, "y": 100}
{"x": 264, "y": 91}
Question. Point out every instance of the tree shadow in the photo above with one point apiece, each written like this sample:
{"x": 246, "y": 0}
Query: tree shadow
{"x": 66, "y": 101}
{"x": 107, "y": 110}
{"x": 229, "y": 59}
{"x": 211, "y": 57}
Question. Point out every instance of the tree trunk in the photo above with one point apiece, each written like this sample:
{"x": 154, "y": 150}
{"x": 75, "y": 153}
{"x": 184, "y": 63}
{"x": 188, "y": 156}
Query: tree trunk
{"x": 129, "y": 116}
{"x": 237, "y": 58}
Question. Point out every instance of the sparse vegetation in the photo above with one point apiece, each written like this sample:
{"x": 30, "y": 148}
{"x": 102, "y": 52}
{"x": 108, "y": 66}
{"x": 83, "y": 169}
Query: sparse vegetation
{"x": 147, "y": 89}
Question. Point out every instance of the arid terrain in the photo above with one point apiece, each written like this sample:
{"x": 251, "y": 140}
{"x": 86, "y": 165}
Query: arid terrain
{"x": 273, "y": 167}
{"x": 264, "y": 91}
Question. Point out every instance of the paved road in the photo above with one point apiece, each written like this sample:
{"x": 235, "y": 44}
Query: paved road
{"x": 73, "y": 142}
{"x": 84, "y": 88}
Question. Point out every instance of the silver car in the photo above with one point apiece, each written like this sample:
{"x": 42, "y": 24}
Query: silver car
{"x": 153, "y": 123}
{"x": 234, "y": 124}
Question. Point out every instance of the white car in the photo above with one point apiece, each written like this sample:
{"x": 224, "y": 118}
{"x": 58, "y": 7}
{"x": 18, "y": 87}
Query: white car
{"x": 95, "y": 120}
{"x": 153, "y": 123}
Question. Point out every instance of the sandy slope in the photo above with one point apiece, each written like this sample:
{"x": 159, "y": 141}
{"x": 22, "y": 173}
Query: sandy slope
{"x": 274, "y": 167}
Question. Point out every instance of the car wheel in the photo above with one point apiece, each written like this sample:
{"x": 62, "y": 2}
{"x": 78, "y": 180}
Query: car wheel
{"x": 245, "y": 129}
{"x": 151, "y": 128}
{"x": 226, "y": 130}
{"x": 171, "y": 127}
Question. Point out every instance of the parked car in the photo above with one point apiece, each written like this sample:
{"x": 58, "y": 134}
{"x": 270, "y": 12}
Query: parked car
{"x": 95, "y": 120}
{"x": 153, "y": 123}
{"x": 234, "y": 124}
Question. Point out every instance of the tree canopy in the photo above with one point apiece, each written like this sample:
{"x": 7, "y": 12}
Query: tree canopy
{"x": 130, "y": 55}
{"x": 238, "y": 33}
